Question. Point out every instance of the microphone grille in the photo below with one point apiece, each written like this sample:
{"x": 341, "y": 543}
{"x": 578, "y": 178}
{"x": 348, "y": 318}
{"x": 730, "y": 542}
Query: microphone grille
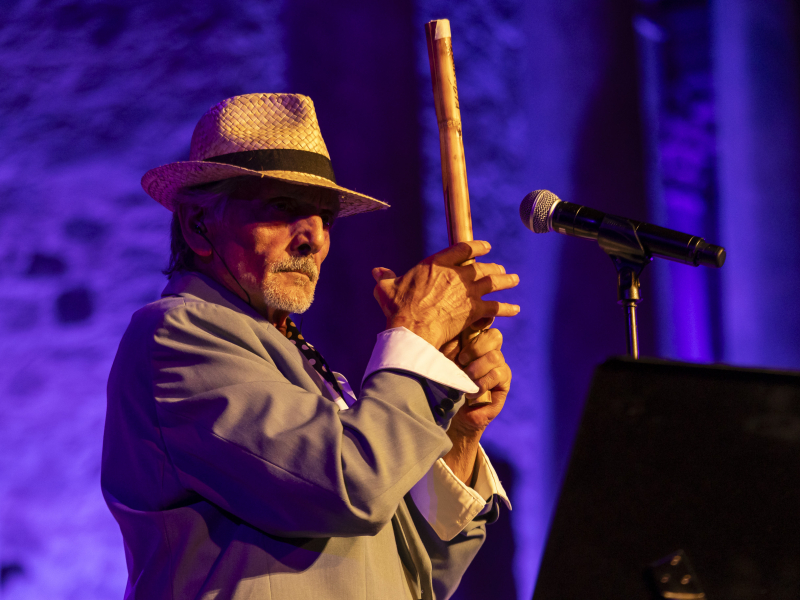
{"x": 535, "y": 209}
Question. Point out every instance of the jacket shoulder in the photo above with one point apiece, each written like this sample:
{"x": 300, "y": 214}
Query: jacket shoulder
{"x": 185, "y": 311}
{"x": 187, "y": 319}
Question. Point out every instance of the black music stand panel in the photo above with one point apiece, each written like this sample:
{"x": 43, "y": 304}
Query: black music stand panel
{"x": 677, "y": 456}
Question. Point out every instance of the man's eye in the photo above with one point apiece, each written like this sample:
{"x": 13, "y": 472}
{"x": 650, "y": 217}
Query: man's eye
{"x": 281, "y": 205}
{"x": 328, "y": 218}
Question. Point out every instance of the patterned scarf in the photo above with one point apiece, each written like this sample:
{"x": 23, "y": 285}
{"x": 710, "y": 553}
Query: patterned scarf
{"x": 314, "y": 358}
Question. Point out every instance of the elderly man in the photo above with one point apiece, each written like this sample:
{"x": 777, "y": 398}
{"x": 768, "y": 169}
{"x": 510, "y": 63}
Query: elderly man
{"x": 237, "y": 464}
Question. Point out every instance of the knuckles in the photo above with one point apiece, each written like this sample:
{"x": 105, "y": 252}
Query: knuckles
{"x": 462, "y": 248}
{"x": 495, "y": 357}
{"x": 495, "y": 337}
{"x": 445, "y": 296}
{"x": 492, "y": 360}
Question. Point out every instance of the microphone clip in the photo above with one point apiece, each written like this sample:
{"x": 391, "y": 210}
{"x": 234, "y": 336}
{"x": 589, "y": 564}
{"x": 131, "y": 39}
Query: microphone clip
{"x": 628, "y": 294}
{"x": 619, "y": 239}
{"x": 617, "y": 236}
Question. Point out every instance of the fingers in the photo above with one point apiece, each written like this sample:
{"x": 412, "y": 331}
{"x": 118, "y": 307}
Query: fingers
{"x": 490, "y": 308}
{"x": 485, "y": 363}
{"x": 496, "y": 379}
{"x": 381, "y": 273}
{"x": 450, "y": 349}
{"x": 382, "y": 291}
{"x": 482, "y": 324}
{"x": 461, "y": 252}
{"x": 479, "y": 346}
{"x": 481, "y": 270}
{"x": 495, "y": 283}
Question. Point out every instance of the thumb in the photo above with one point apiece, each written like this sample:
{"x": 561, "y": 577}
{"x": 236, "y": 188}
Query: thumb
{"x": 481, "y": 324}
{"x": 462, "y": 252}
{"x": 381, "y": 273}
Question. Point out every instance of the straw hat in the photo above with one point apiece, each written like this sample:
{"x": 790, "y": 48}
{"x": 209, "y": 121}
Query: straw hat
{"x": 267, "y": 135}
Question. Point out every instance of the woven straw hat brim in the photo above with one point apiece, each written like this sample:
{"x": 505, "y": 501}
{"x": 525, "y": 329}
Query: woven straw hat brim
{"x": 163, "y": 183}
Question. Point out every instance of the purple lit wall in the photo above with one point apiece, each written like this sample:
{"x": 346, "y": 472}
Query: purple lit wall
{"x": 93, "y": 94}
{"x": 681, "y": 112}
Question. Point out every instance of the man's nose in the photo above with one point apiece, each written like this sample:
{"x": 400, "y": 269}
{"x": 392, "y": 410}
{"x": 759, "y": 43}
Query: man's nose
{"x": 309, "y": 235}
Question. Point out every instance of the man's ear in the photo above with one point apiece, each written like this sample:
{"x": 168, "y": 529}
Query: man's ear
{"x": 194, "y": 230}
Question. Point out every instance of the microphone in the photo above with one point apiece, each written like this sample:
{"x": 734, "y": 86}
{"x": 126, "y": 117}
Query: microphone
{"x": 542, "y": 211}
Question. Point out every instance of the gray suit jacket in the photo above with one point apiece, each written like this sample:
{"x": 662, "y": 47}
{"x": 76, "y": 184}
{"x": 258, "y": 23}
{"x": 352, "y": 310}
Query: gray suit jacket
{"x": 232, "y": 474}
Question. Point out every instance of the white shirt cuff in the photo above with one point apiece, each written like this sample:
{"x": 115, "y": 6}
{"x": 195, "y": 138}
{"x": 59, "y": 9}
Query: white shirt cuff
{"x": 448, "y": 504}
{"x": 404, "y": 350}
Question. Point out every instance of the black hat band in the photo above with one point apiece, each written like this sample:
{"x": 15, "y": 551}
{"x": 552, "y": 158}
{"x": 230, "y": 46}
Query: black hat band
{"x": 279, "y": 159}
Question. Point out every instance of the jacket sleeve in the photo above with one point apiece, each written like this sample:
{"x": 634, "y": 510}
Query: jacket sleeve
{"x": 445, "y": 561}
{"x": 273, "y": 454}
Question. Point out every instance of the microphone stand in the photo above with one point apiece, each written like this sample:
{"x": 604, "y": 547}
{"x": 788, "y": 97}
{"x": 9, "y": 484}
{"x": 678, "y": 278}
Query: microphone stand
{"x": 628, "y": 285}
{"x": 618, "y": 238}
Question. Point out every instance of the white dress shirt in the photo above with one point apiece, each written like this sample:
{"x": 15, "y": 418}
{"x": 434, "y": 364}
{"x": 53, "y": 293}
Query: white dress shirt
{"x": 445, "y": 501}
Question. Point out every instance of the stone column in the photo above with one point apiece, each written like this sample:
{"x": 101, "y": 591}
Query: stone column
{"x": 758, "y": 100}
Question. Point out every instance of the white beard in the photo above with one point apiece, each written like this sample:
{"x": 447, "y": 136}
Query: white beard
{"x": 294, "y": 298}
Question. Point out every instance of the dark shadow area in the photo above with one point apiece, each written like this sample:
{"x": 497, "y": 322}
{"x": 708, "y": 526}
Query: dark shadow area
{"x": 608, "y": 175}
{"x": 678, "y": 456}
{"x": 355, "y": 59}
{"x": 491, "y": 574}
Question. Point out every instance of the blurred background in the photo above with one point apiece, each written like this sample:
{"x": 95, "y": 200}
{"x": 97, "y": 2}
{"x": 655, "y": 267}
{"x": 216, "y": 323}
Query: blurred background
{"x": 685, "y": 113}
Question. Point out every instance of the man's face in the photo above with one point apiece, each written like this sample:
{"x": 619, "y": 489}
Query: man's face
{"x": 275, "y": 236}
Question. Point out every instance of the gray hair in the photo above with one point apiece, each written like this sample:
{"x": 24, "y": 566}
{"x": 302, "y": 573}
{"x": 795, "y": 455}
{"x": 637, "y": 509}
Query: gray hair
{"x": 213, "y": 197}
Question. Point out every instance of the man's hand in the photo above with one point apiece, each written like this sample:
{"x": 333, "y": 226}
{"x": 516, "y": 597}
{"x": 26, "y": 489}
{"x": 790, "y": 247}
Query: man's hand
{"x": 483, "y": 361}
{"x": 438, "y": 298}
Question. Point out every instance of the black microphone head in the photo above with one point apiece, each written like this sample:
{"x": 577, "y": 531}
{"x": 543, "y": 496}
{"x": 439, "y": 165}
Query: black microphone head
{"x": 536, "y": 208}
{"x": 709, "y": 255}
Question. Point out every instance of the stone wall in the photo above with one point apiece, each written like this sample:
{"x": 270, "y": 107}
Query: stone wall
{"x": 93, "y": 94}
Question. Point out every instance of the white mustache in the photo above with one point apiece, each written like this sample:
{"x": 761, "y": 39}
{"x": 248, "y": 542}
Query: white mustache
{"x": 298, "y": 264}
